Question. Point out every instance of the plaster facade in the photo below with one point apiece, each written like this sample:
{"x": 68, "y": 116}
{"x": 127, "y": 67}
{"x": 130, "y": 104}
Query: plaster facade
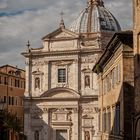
{"x": 115, "y": 71}
{"x": 136, "y": 29}
{"x": 12, "y": 88}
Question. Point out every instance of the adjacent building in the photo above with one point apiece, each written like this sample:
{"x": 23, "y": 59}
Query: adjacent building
{"x": 136, "y": 119}
{"x": 61, "y": 96}
{"x": 12, "y": 87}
{"x": 115, "y": 70}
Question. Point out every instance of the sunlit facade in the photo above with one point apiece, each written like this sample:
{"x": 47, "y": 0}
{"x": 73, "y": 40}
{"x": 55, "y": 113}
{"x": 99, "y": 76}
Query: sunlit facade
{"x": 115, "y": 70}
{"x": 61, "y": 96}
{"x": 136, "y": 27}
{"x": 12, "y": 88}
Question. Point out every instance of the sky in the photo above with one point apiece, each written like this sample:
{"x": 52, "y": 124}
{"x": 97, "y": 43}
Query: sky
{"x": 23, "y": 20}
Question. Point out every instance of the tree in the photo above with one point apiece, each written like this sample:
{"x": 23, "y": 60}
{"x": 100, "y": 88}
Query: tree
{"x": 8, "y": 122}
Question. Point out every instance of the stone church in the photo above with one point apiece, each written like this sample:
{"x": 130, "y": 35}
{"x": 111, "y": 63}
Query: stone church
{"x": 61, "y": 96}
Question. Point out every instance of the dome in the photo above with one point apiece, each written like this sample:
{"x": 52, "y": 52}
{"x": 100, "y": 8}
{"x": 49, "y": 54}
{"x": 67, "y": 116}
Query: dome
{"x": 95, "y": 18}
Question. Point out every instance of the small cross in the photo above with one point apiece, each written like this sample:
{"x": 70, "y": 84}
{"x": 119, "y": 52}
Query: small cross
{"x": 62, "y": 14}
{"x": 28, "y": 44}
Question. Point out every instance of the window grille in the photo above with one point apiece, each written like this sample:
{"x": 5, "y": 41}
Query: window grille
{"x": 61, "y": 75}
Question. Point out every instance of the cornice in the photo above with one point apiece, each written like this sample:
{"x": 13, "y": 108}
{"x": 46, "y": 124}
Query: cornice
{"x": 92, "y": 97}
{"x": 52, "y": 99}
{"x": 120, "y": 38}
{"x": 56, "y": 53}
{"x": 61, "y": 39}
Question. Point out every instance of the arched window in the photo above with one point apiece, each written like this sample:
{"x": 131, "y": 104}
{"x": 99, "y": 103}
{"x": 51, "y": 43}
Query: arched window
{"x": 36, "y": 135}
{"x": 37, "y": 82}
{"x": 87, "y": 81}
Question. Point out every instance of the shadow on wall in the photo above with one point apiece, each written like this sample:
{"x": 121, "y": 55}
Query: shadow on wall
{"x": 41, "y": 130}
{"x": 136, "y": 114}
{"x": 122, "y": 111}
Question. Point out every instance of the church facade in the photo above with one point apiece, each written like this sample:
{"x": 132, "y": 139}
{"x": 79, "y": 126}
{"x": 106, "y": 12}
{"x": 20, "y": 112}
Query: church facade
{"x": 61, "y": 96}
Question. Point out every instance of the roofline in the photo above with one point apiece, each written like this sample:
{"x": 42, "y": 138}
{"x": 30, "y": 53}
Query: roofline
{"x": 57, "y": 31}
{"x": 113, "y": 42}
{"x": 7, "y": 65}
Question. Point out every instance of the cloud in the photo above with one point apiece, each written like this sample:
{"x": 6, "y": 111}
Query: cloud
{"x": 3, "y": 4}
{"x": 122, "y": 10}
{"x": 22, "y": 20}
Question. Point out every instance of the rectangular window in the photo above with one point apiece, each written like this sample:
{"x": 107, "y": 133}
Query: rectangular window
{"x": 117, "y": 119}
{"x": 12, "y": 100}
{"x": 99, "y": 120}
{"x": 5, "y": 99}
{"x": 11, "y": 82}
{"x": 5, "y": 80}
{"x": 108, "y": 82}
{"x": 15, "y": 83}
{"x": 108, "y": 121}
{"x": 105, "y": 85}
{"x": 16, "y": 100}
{"x": 119, "y": 73}
{"x": 9, "y": 100}
{"x": 104, "y": 121}
{"x": 115, "y": 75}
{"x": 0, "y": 80}
{"x": 18, "y": 83}
{"x": 62, "y": 75}
{"x": 104, "y": 90}
{"x": 24, "y": 84}
{"x": 113, "y": 78}
{"x": 116, "y": 122}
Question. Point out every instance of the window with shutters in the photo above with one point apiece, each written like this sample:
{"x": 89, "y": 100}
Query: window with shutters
{"x": 113, "y": 78}
{"x": 0, "y": 80}
{"x": 116, "y": 120}
{"x": 62, "y": 75}
{"x": 108, "y": 121}
{"x": 99, "y": 120}
{"x": 104, "y": 121}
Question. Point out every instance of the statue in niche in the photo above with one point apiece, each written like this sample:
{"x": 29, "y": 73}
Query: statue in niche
{"x": 37, "y": 82}
{"x": 36, "y": 135}
{"x": 87, "y": 135}
{"x": 138, "y": 3}
{"x": 87, "y": 81}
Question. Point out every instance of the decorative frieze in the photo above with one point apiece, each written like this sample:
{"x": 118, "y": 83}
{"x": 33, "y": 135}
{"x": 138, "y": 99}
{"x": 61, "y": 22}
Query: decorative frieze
{"x": 61, "y": 114}
{"x": 45, "y": 110}
{"x": 61, "y": 63}
{"x": 89, "y": 59}
{"x": 37, "y": 62}
{"x": 88, "y": 110}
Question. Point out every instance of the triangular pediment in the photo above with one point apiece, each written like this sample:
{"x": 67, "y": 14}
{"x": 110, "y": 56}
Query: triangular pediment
{"x": 61, "y": 93}
{"x": 61, "y": 33}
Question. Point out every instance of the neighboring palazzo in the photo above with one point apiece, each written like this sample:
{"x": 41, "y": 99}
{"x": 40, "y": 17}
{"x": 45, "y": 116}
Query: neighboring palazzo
{"x": 136, "y": 35}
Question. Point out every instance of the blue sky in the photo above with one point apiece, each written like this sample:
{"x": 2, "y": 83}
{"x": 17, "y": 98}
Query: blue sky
{"x": 22, "y": 20}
